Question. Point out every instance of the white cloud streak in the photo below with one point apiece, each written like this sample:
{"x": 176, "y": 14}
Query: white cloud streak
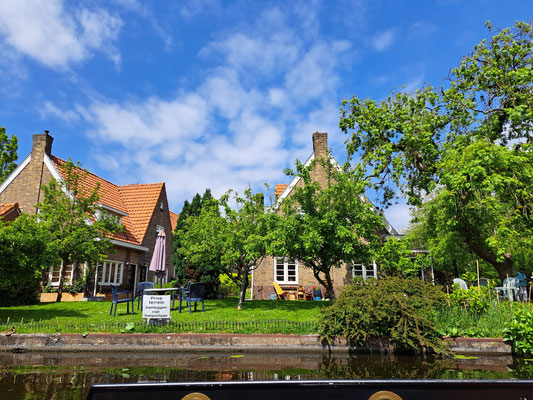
{"x": 44, "y": 31}
{"x": 384, "y": 40}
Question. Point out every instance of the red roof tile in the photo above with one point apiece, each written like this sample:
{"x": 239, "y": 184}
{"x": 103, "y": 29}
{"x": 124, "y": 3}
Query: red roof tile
{"x": 173, "y": 219}
{"x": 8, "y": 208}
{"x": 138, "y": 201}
{"x": 280, "y": 187}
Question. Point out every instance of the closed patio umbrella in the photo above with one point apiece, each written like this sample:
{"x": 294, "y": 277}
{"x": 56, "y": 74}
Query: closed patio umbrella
{"x": 159, "y": 257}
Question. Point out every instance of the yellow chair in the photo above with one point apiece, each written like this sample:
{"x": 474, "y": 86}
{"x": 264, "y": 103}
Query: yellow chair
{"x": 281, "y": 294}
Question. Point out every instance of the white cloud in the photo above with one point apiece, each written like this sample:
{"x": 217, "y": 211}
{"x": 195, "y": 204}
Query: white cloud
{"x": 384, "y": 40}
{"x": 46, "y": 32}
{"x": 192, "y": 8}
{"x": 49, "y": 109}
{"x": 240, "y": 124}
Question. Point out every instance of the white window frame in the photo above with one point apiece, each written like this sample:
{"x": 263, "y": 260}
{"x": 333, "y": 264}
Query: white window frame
{"x": 106, "y": 279}
{"x": 365, "y": 272}
{"x": 286, "y": 263}
{"x": 68, "y": 278}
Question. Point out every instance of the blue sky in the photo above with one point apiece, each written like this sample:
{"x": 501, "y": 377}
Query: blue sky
{"x": 218, "y": 94}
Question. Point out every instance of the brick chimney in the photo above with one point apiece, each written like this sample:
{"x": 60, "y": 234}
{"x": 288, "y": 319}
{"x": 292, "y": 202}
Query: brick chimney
{"x": 42, "y": 144}
{"x": 320, "y": 144}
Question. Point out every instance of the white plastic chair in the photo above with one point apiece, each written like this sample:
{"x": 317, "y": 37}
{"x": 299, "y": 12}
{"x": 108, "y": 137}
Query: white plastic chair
{"x": 509, "y": 289}
{"x": 462, "y": 284}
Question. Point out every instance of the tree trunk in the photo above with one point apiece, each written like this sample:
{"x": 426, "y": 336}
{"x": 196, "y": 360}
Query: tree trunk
{"x": 61, "y": 279}
{"x": 327, "y": 283}
{"x": 504, "y": 268}
{"x": 244, "y": 285}
{"x": 329, "y": 288}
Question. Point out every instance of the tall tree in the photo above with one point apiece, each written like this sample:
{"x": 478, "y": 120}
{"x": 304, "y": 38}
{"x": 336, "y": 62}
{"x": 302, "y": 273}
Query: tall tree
{"x": 327, "y": 225}
{"x": 68, "y": 212}
{"x": 425, "y": 143}
{"x": 234, "y": 241}
{"x": 185, "y": 271}
{"x": 8, "y": 154}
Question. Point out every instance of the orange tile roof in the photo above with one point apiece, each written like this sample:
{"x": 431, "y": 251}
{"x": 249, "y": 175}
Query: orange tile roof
{"x": 138, "y": 201}
{"x": 109, "y": 194}
{"x": 141, "y": 201}
{"x": 280, "y": 187}
{"x": 6, "y": 208}
{"x": 173, "y": 219}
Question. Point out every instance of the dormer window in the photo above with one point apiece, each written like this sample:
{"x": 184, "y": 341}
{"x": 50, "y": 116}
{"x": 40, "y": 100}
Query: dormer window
{"x": 104, "y": 214}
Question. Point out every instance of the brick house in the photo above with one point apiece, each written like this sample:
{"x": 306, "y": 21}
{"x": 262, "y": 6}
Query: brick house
{"x": 141, "y": 208}
{"x": 292, "y": 273}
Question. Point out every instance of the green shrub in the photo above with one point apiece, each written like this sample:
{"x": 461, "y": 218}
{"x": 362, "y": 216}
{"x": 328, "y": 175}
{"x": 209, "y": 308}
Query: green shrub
{"x": 475, "y": 299}
{"x": 227, "y": 287}
{"x": 520, "y": 332}
{"x": 24, "y": 254}
{"x": 393, "y": 311}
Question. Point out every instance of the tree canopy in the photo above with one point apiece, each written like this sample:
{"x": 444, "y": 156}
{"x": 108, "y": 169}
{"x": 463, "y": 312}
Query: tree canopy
{"x": 327, "y": 225}
{"x": 68, "y": 212}
{"x": 467, "y": 146}
{"x": 8, "y": 154}
{"x": 25, "y": 252}
{"x": 234, "y": 241}
{"x": 185, "y": 271}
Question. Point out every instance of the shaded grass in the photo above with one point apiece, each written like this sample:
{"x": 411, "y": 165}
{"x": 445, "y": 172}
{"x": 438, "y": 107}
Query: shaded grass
{"x": 459, "y": 322}
{"x": 257, "y": 316}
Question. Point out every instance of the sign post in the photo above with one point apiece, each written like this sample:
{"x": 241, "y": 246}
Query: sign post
{"x": 156, "y": 307}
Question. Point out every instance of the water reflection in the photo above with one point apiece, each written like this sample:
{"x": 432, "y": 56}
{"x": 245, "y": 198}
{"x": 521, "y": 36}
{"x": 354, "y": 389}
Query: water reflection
{"x": 70, "y": 375}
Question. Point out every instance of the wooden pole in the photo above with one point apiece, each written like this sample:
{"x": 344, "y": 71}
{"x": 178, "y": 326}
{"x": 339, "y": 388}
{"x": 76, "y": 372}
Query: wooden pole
{"x": 477, "y": 265}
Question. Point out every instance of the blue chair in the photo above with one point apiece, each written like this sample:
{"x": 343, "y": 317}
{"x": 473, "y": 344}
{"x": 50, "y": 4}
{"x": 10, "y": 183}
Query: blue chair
{"x": 128, "y": 299}
{"x": 141, "y": 288}
{"x": 195, "y": 294}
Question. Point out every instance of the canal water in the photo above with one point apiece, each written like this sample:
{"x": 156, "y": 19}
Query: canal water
{"x": 70, "y": 375}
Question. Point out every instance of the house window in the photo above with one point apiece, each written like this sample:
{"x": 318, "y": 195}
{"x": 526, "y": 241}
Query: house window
{"x": 55, "y": 273}
{"x": 285, "y": 270}
{"x": 362, "y": 271}
{"x": 110, "y": 272}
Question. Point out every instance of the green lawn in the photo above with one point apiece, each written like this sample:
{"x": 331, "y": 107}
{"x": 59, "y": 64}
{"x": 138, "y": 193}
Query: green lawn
{"x": 257, "y": 316}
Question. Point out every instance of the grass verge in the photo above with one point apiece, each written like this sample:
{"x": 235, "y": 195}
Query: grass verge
{"x": 258, "y": 316}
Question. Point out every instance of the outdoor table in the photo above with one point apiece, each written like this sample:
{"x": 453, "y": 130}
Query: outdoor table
{"x": 163, "y": 290}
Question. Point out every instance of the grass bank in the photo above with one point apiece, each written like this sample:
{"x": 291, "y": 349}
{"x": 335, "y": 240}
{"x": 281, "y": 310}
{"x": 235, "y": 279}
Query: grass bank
{"x": 258, "y": 316}
{"x": 457, "y": 321}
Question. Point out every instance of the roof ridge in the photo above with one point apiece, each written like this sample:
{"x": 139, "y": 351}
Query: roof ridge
{"x": 142, "y": 184}
{"x": 86, "y": 170}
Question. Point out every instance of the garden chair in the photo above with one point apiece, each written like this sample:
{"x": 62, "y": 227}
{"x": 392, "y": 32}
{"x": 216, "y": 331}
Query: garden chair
{"x": 508, "y": 290}
{"x": 462, "y": 284}
{"x": 195, "y": 294}
{"x": 142, "y": 290}
{"x": 280, "y": 293}
{"x": 117, "y": 299}
{"x": 308, "y": 294}
{"x": 483, "y": 282}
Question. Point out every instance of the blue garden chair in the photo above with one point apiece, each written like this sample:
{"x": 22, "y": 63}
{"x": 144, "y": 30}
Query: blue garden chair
{"x": 142, "y": 289}
{"x": 195, "y": 294}
{"x": 116, "y": 299}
